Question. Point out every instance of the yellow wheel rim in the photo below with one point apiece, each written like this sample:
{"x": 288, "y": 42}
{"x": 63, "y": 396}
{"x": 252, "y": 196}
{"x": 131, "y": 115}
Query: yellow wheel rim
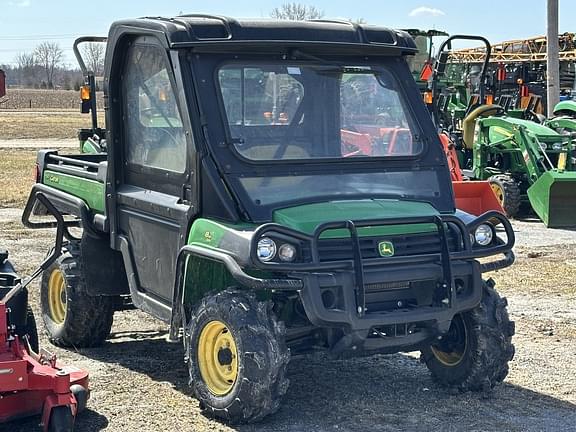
{"x": 453, "y": 355}
{"x": 498, "y": 191}
{"x": 217, "y": 358}
{"x": 57, "y": 296}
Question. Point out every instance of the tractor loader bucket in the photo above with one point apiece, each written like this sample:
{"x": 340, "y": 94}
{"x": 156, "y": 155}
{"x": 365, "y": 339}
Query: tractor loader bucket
{"x": 553, "y": 198}
{"x": 475, "y": 197}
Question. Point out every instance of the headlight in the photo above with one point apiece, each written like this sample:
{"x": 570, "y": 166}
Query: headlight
{"x": 483, "y": 235}
{"x": 287, "y": 252}
{"x": 266, "y": 249}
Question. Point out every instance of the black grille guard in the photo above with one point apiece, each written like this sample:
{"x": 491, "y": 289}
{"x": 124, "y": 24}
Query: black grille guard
{"x": 357, "y": 264}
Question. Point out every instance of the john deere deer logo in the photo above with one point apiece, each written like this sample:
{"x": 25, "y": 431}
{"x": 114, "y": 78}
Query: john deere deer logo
{"x": 386, "y": 248}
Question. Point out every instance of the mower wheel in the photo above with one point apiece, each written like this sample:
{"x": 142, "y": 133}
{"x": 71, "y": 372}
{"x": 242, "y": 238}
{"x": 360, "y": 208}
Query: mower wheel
{"x": 237, "y": 357}
{"x": 31, "y": 330}
{"x": 474, "y": 354}
{"x": 507, "y": 192}
{"x": 81, "y": 395}
{"x": 61, "y": 419}
{"x": 72, "y": 317}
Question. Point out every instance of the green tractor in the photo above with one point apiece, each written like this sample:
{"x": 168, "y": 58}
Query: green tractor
{"x": 272, "y": 188}
{"x": 525, "y": 162}
{"x": 564, "y": 120}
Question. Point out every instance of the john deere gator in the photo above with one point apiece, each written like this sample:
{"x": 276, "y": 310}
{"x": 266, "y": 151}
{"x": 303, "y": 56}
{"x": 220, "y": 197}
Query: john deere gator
{"x": 237, "y": 203}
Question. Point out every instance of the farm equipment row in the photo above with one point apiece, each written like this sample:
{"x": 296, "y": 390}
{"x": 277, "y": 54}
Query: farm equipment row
{"x": 526, "y": 163}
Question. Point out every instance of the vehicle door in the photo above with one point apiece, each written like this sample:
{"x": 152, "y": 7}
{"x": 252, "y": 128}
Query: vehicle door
{"x": 152, "y": 211}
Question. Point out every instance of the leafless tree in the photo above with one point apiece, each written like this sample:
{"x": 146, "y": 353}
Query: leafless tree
{"x": 25, "y": 60}
{"x": 27, "y": 68}
{"x": 296, "y": 12}
{"x": 93, "y": 53}
{"x": 49, "y": 56}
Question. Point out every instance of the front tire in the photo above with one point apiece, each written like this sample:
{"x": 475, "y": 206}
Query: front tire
{"x": 507, "y": 192}
{"x": 73, "y": 318}
{"x": 474, "y": 354}
{"x": 237, "y": 357}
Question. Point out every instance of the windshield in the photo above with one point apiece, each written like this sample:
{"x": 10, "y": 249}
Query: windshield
{"x": 288, "y": 112}
{"x": 298, "y": 132}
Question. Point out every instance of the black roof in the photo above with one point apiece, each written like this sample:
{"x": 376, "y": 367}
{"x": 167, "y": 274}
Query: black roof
{"x": 219, "y": 32}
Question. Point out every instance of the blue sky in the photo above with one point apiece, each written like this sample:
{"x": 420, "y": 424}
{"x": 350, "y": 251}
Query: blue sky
{"x": 24, "y": 23}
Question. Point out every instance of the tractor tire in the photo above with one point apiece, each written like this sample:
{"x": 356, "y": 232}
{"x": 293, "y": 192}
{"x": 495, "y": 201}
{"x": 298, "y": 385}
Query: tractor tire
{"x": 71, "y": 317}
{"x": 507, "y": 192}
{"x": 237, "y": 357}
{"x": 474, "y": 354}
{"x": 61, "y": 419}
{"x": 30, "y": 330}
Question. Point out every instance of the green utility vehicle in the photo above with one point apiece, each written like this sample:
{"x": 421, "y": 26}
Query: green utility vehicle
{"x": 273, "y": 188}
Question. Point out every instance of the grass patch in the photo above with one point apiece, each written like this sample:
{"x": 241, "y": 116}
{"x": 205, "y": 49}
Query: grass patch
{"x": 31, "y": 125}
{"x": 16, "y": 176}
{"x": 549, "y": 275}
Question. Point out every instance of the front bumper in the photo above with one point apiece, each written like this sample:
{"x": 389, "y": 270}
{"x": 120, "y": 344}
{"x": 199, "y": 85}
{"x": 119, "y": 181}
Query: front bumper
{"x": 443, "y": 283}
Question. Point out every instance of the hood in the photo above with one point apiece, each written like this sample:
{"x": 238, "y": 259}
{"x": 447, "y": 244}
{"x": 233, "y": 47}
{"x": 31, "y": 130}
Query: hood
{"x": 306, "y": 218}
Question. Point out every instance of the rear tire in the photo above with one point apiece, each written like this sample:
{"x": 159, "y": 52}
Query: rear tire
{"x": 474, "y": 354}
{"x": 507, "y": 192}
{"x": 246, "y": 381}
{"x": 73, "y": 318}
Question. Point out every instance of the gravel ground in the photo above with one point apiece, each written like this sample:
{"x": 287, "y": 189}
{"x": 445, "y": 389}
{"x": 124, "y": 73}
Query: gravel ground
{"x": 139, "y": 382}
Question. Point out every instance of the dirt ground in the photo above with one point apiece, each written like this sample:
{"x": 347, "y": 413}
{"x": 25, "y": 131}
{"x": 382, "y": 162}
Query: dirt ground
{"x": 38, "y": 124}
{"x": 139, "y": 381}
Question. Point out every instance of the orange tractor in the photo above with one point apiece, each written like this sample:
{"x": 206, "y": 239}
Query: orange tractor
{"x": 474, "y": 197}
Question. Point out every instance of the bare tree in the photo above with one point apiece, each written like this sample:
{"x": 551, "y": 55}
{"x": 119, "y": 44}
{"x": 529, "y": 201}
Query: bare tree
{"x": 93, "y": 54}
{"x": 25, "y": 60}
{"x": 49, "y": 56}
{"x": 296, "y": 12}
{"x": 27, "y": 68}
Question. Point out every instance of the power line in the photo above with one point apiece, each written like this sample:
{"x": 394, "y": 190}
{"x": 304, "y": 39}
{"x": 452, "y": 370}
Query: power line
{"x": 36, "y": 37}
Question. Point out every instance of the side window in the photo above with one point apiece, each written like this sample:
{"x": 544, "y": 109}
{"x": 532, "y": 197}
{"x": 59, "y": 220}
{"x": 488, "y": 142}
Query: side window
{"x": 153, "y": 127}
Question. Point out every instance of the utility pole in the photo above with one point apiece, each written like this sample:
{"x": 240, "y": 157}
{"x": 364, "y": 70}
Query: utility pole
{"x": 552, "y": 62}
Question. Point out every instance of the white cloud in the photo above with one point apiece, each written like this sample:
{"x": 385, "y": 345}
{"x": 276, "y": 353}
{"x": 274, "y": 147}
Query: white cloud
{"x": 426, "y": 11}
{"x": 20, "y": 3}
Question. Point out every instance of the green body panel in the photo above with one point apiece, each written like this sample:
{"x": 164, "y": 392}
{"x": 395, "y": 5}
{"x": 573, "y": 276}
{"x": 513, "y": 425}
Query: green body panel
{"x": 307, "y": 217}
{"x": 203, "y": 275}
{"x": 532, "y": 127}
{"x": 206, "y": 232}
{"x": 87, "y": 147}
{"x": 567, "y": 105}
{"x": 553, "y": 198}
{"x": 90, "y": 191}
{"x": 565, "y": 123}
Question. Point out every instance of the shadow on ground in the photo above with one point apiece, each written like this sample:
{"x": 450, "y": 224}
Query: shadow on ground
{"x": 378, "y": 393}
{"x": 88, "y": 421}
